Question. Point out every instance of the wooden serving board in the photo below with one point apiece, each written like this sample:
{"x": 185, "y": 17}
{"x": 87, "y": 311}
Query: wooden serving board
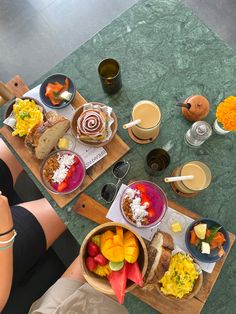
{"x": 89, "y": 208}
{"x": 116, "y": 149}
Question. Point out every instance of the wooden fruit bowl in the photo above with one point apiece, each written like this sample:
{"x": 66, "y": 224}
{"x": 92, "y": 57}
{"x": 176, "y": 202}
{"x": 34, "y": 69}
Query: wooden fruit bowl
{"x": 196, "y": 289}
{"x": 99, "y": 283}
{"x": 75, "y": 117}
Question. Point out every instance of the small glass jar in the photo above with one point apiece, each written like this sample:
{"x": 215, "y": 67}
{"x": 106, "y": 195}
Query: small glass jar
{"x": 177, "y": 218}
{"x": 70, "y": 140}
{"x": 199, "y": 132}
{"x": 218, "y": 129}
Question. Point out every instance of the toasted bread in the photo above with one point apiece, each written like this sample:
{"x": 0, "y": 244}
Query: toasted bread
{"x": 43, "y": 138}
{"x": 159, "y": 256}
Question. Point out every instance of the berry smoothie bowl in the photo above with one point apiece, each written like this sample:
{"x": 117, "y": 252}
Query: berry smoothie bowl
{"x": 62, "y": 172}
{"x": 143, "y": 204}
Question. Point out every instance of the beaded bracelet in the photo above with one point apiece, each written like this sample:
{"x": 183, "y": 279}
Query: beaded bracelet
{"x": 10, "y": 240}
{"x": 7, "y": 247}
{"x": 4, "y": 233}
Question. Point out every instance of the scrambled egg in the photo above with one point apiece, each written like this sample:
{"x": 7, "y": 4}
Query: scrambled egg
{"x": 27, "y": 115}
{"x": 180, "y": 277}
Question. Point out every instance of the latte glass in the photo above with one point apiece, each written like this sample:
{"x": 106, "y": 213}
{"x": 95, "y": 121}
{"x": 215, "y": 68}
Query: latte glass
{"x": 150, "y": 115}
{"x": 201, "y": 173}
{"x": 157, "y": 160}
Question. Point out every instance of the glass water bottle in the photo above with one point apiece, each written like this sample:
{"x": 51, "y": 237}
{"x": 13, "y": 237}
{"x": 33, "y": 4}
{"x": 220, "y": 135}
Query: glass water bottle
{"x": 199, "y": 132}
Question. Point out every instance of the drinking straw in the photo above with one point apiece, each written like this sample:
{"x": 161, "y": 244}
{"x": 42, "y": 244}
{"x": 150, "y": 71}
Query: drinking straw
{"x": 130, "y": 124}
{"x": 188, "y": 106}
{"x": 179, "y": 178}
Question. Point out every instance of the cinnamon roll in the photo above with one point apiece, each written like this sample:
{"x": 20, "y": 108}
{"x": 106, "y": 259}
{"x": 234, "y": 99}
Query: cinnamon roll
{"x": 91, "y": 125}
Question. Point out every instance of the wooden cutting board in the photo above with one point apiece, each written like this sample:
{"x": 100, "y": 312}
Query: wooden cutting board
{"x": 116, "y": 149}
{"x": 89, "y": 208}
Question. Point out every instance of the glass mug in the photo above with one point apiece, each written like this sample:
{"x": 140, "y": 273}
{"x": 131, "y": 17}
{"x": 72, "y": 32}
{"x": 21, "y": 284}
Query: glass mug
{"x": 110, "y": 76}
{"x": 150, "y": 115}
{"x": 156, "y": 161}
{"x": 202, "y": 177}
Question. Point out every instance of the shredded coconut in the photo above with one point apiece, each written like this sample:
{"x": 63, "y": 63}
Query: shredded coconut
{"x": 65, "y": 162}
{"x": 130, "y": 193}
{"x": 138, "y": 210}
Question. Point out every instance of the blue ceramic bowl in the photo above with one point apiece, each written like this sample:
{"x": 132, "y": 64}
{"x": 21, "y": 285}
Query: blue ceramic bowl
{"x": 195, "y": 252}
{"x": 52, "y": 79}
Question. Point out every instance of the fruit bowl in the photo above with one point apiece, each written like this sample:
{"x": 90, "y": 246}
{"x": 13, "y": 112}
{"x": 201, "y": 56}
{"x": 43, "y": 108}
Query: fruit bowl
{"x": 74, "y": 176}
{"x": 102, "y": 283}
{"x": 151, "y": 196}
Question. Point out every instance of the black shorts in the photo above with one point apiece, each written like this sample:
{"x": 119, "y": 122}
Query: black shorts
{"x": 30, "y": 242}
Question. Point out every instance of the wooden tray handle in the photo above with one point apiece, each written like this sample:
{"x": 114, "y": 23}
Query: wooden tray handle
{"x": 5, "y": 92}
{"x": 89, "y": 208}
{"x": 16, "y": 87}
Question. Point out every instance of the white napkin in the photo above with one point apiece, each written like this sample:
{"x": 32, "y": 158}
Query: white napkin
{"x": 90, "y": 155}
{"x": 115, "y": 214}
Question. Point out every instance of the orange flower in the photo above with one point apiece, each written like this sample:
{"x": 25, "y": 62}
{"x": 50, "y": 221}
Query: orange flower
{"x": 226, "y": 113}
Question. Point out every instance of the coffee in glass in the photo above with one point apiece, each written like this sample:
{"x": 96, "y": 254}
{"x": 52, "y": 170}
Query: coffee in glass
{"x": 150, "y": 115}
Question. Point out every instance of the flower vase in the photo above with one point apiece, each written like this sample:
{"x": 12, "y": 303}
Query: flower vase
{"x": 219, "y": 129}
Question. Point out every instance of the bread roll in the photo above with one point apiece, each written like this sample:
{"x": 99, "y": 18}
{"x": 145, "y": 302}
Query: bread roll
{"x": 159, "y": 256}
{"x": 43, "y": 138}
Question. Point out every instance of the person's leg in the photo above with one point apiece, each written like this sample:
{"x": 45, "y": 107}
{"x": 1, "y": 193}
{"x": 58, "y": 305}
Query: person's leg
{"x": 52, "y": 225}
{"x": 9, "y": 159}
{"x": 74, "y": 271}
{"x": 50, "y": 222}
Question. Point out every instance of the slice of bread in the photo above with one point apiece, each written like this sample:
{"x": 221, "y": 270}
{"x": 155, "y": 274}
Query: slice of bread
{"x": 159, "y": 256}
{"x": 43, "y": 138}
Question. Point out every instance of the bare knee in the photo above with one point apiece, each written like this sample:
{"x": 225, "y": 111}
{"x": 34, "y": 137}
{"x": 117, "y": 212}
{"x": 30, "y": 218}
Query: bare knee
{"x": 10, "y": 160}
{"x": 49, "y": 220}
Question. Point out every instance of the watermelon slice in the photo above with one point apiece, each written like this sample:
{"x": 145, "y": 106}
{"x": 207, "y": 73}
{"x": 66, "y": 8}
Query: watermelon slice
{"x": 117, "y": 281}
{"x": 134, "y": 273}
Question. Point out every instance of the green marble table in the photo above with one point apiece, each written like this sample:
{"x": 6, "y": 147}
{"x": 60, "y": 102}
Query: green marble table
{"x": 166, "y": 54}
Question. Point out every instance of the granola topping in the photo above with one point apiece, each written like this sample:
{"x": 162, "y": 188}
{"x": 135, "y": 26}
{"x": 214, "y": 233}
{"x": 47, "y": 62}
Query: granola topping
{"x": 134, "y": 209}
{"x": 57, "y": 167}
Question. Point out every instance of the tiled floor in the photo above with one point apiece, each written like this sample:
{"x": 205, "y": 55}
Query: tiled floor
{"x": 36, "y": 34}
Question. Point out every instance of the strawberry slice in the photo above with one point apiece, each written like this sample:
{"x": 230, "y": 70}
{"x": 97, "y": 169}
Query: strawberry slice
{"x": 72, "y": 168}
{"x": 151, "y": 212}
{"x": 70, "y": 172}
{"x": 62, "y": 186}
{"x": 140, "y": 187}
{"x": 76, "y": 160}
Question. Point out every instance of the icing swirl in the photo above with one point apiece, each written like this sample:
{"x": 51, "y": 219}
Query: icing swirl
{"x": 91, "y": 123}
